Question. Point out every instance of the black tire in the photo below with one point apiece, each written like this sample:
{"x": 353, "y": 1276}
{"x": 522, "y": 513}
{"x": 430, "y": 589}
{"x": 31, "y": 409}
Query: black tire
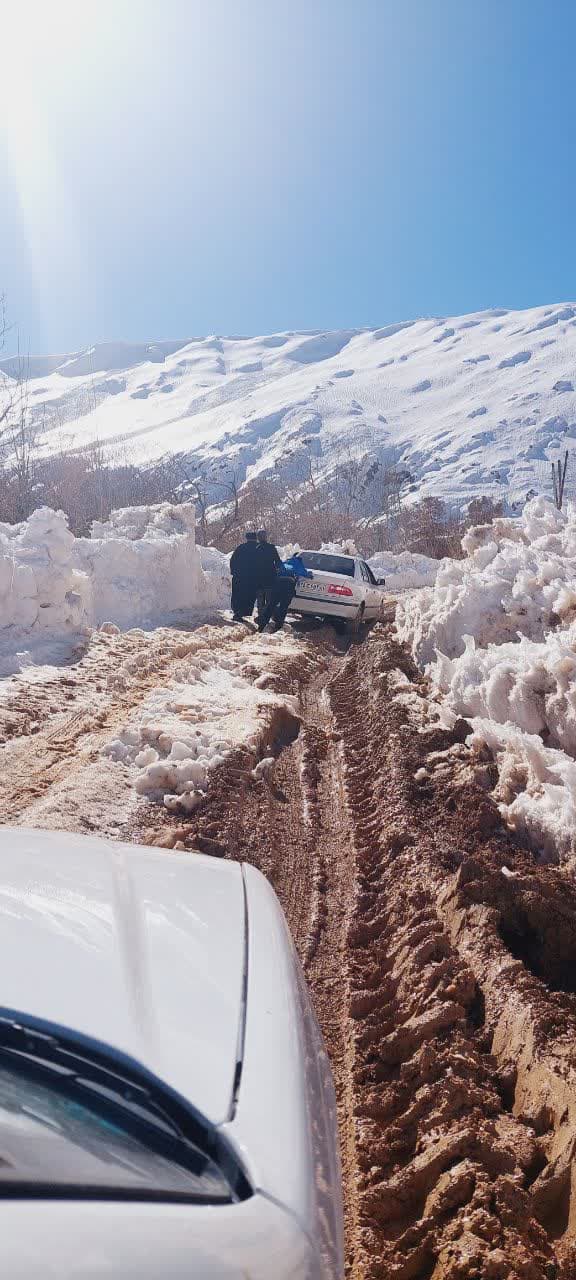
{"x": 354, "y": 626}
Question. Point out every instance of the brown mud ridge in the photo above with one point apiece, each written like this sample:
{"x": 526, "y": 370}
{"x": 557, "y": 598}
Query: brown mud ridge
{"x": 442, "y": 962}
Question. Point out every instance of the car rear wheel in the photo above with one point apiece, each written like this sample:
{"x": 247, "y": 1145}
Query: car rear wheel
{"x": 356, "y": 624}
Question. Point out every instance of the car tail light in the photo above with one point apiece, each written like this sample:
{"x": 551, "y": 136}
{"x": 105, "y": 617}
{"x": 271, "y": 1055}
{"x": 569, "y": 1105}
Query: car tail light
{"x": 335, "y": 589}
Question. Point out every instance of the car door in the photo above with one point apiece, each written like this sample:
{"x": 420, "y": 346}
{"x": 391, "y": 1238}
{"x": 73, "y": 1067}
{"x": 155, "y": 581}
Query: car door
{"x": 373, "y": 592}
{"x": 369, "y": 603}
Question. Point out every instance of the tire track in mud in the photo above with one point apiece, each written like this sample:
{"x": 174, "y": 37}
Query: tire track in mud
{"x": 440, "y": 957}
{"x": 294, "y": 827}
{"x": 464, "y": 1169}
{"x": 453, "y": 1060}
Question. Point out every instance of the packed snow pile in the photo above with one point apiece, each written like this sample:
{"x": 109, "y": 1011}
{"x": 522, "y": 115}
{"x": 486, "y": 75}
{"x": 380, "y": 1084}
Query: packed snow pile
{"x": 220, "y": 702}
{"x": 217, "y": 565}
{"x": 42, "y": 586}
{"x": 144, "y": 566}
{"x": 530, "y": 684}
{"x": 151, "y": 523}
{"x": 404, "y": 570}
{"x": 536, "y": 788}
{"x": 498, "y": 635}
{"x": 141, "y": 566}
{"x": 518, "y": 578}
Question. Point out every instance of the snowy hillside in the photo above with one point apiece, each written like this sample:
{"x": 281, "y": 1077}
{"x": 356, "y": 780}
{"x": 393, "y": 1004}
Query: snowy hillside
{"x": 468, "y": 405}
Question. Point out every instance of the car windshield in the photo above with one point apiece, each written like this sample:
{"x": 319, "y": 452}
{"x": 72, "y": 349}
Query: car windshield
{"x": 69, "y": 1127}
{"x": 327, "y": 563}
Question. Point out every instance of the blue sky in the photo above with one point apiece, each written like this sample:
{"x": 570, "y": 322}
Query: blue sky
{"x": 171, "y": 168}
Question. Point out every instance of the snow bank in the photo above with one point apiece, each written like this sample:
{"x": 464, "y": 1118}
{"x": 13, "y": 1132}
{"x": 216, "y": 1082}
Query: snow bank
{"x": 145, "y": 567}
{"x": 219, "y": 703}
{"x": 42, "y": 587}
{"x": 536, "y": 787}
{"x": 404, "y": 570}
{"x": 498, "y": 632}
{"x": 530, "y": 684}
{"x": 141, "y": 566}
{"x": 217, "y": 566}
{"x": 519, "y": 578}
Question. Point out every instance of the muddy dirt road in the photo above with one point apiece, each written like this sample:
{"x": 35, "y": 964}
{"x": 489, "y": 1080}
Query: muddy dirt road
{"x": 441, "y": 959}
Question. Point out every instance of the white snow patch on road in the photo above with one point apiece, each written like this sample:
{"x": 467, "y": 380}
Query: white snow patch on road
{"x": 218, "y": 704}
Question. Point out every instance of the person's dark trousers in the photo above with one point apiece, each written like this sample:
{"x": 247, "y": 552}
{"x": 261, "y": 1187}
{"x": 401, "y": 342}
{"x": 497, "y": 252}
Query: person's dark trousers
{"x": 238, "y": 593}
{"x": 285, "y": 588}
{"x": 279, "y": 603}
{"x": 262, "y": 602}
{"x": 243, "y": 597}
{"x": 248, "y": 600}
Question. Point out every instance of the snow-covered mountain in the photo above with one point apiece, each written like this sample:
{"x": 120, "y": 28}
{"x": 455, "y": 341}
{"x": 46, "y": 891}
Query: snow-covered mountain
{"x": 467, "y": 405}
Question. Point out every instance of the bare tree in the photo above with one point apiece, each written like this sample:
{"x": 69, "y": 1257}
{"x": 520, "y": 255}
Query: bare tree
{"x": 19, "y": 430}
{"x": 6, "y": 391}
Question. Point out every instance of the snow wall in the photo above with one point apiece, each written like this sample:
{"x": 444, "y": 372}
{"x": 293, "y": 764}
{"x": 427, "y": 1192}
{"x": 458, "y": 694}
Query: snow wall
{"x": 139, "y": 567}
{"x": 497, "y": 635}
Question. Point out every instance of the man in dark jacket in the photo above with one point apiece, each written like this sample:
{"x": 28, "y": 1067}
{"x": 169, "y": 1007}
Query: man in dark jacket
{"x": 270, "y": 564}
{"x": 245, "y": 568}
{"x": 280, "y": 596}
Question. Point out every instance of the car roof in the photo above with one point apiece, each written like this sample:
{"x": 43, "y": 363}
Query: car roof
{"x": 140, "y": 949}
{"x": 341, "y": 555}
{"x": 310, "y": 551}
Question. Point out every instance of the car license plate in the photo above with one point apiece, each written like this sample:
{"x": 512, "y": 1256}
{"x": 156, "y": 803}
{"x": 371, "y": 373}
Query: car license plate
{"x": 310, "y": 588}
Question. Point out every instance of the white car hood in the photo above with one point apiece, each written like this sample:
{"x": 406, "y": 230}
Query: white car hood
{"x": 142, "y": 950}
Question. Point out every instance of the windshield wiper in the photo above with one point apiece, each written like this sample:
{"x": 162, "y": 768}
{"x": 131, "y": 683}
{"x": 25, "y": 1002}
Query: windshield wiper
{"x": 121, "y": 1091}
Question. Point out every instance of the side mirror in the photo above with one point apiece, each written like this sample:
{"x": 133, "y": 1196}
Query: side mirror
{"x": 380, "y": 582}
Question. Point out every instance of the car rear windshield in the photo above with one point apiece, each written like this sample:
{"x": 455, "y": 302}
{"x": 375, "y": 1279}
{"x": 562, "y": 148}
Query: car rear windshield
{"x": 329, "y": 564}
{"x": 73, "y": 1126}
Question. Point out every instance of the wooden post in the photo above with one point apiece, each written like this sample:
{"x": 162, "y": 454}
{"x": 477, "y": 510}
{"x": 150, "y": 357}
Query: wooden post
{"x": 563, "y": 481}
{"x": 559, "y": 471}
{"x": 555, "y": 485}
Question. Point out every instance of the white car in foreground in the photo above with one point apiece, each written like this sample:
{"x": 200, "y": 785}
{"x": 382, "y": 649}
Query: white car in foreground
{"x": 343, "y": 587}
{"x": 166, "y": 1103}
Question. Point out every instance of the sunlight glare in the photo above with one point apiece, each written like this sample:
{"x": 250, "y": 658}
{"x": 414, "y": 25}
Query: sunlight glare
{"x": 38, "y": 42}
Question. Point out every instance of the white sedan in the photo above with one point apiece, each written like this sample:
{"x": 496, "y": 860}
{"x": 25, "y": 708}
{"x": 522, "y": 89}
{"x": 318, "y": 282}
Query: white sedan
{"x": 166, "y": 1102}
{"x": 342, "y": 587}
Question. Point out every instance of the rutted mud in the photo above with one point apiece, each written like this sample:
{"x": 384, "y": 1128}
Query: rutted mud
{"x": 441, "y": 960}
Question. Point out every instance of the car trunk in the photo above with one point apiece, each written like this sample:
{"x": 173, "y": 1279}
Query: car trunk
{"x": 329, "y": 588}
